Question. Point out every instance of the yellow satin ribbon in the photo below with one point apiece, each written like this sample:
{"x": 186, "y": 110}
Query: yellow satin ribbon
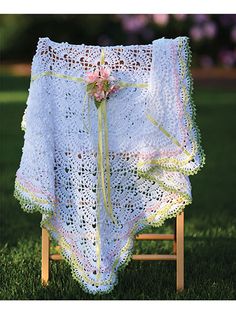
{"x": 102, "y": 128}
{"x": 102, "y": 120}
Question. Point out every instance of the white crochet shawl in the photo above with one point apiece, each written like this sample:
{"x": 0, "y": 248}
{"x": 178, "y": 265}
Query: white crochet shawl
{"x": 154, "y": 145}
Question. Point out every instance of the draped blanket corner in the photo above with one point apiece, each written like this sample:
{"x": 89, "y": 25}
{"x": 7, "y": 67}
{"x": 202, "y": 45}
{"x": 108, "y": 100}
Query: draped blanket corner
{"x": 110, "y": 140}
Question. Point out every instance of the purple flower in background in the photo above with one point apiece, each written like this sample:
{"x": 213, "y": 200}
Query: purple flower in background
{"x": 206, "y": 61}
{"x": 133, "y": 23}
{"x": 180, "y": 17}
{"x": 196, "y": 33}
{"x": 233, "y": 34}
{"x": 224, "y": 20}
{"x": 209, "y": 29}
{"x": 206, "y": 30}
{"x": 200, "y": 18}
{"x": 227, "y": 57}
{"x": 147, "y": 33}
{"x": 227, "y": 19}
{"x": 161, "y": 19}
{"x": 216, "y": 33}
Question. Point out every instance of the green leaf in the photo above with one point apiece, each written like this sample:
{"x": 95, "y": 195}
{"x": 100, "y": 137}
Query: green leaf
{"x": 90, "y": 87}
{"x": 106, "y": 86}
{"x": 97, "y": 103}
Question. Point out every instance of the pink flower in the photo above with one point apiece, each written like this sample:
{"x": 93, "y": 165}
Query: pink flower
{"x": 105, "y": 73}
{"x": 100, "y": 83}
{"x": 92, "y": 77}
{"x": 99, "y": 95}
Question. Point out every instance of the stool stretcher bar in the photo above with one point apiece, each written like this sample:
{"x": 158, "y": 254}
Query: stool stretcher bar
{"x": 140, "y": 257}
{"x": 178, "y": 251}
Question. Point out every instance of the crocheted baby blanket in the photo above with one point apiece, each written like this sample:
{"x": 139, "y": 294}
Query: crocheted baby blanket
{"x": 110, "y": 140}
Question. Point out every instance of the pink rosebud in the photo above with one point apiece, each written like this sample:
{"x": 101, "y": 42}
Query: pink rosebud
{"x": 105, "y": 73}
{"x": 91, "y": 77}
{"x": 102, "y": 87}
{"x": 99, "y": 95}
{"x": 99, "y": 85}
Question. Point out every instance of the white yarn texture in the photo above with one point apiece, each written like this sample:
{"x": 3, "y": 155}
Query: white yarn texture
{"x": 154, "y": 145}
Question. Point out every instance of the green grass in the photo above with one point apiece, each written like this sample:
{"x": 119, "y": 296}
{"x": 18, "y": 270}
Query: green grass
{"x": 210, "y": 227}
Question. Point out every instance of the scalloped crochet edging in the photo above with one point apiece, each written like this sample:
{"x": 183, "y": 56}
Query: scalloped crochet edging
{"x": 139, "y": 227}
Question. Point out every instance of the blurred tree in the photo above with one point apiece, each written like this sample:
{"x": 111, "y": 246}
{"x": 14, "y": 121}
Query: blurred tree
{"x": 212, "y": 37}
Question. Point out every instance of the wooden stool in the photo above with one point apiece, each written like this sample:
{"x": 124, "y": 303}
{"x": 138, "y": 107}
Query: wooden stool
{"x": 178, "y": 251}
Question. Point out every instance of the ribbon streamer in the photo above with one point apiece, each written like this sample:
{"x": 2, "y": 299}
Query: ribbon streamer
{"x": 102, "y": 120}
{"x": 103, "y": 129}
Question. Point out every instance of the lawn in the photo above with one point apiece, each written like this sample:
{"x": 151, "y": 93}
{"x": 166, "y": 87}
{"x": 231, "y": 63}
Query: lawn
{"x": 210, "y": 221}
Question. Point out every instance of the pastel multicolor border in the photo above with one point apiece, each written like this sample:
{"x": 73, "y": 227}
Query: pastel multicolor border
{"x": 26, "y": 198}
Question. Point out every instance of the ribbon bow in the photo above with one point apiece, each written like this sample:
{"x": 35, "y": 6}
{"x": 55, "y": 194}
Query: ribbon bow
{"x": 100, "y": 84}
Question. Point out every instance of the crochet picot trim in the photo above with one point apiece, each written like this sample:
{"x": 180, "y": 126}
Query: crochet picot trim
{"x": 141, "y": 225}
{"x": 30, "y": 204}
{"x": 192, "y": 125}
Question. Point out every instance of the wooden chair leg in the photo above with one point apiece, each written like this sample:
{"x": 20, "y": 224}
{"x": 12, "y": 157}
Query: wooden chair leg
{"x": 45, "y": 257}
{"x": 180, "y": 252}
{"x": 178, "y": 248}
{"x": 174, "y": 240}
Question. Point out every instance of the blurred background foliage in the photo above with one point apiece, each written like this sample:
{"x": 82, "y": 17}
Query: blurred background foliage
{"x": 213, "y": 37}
